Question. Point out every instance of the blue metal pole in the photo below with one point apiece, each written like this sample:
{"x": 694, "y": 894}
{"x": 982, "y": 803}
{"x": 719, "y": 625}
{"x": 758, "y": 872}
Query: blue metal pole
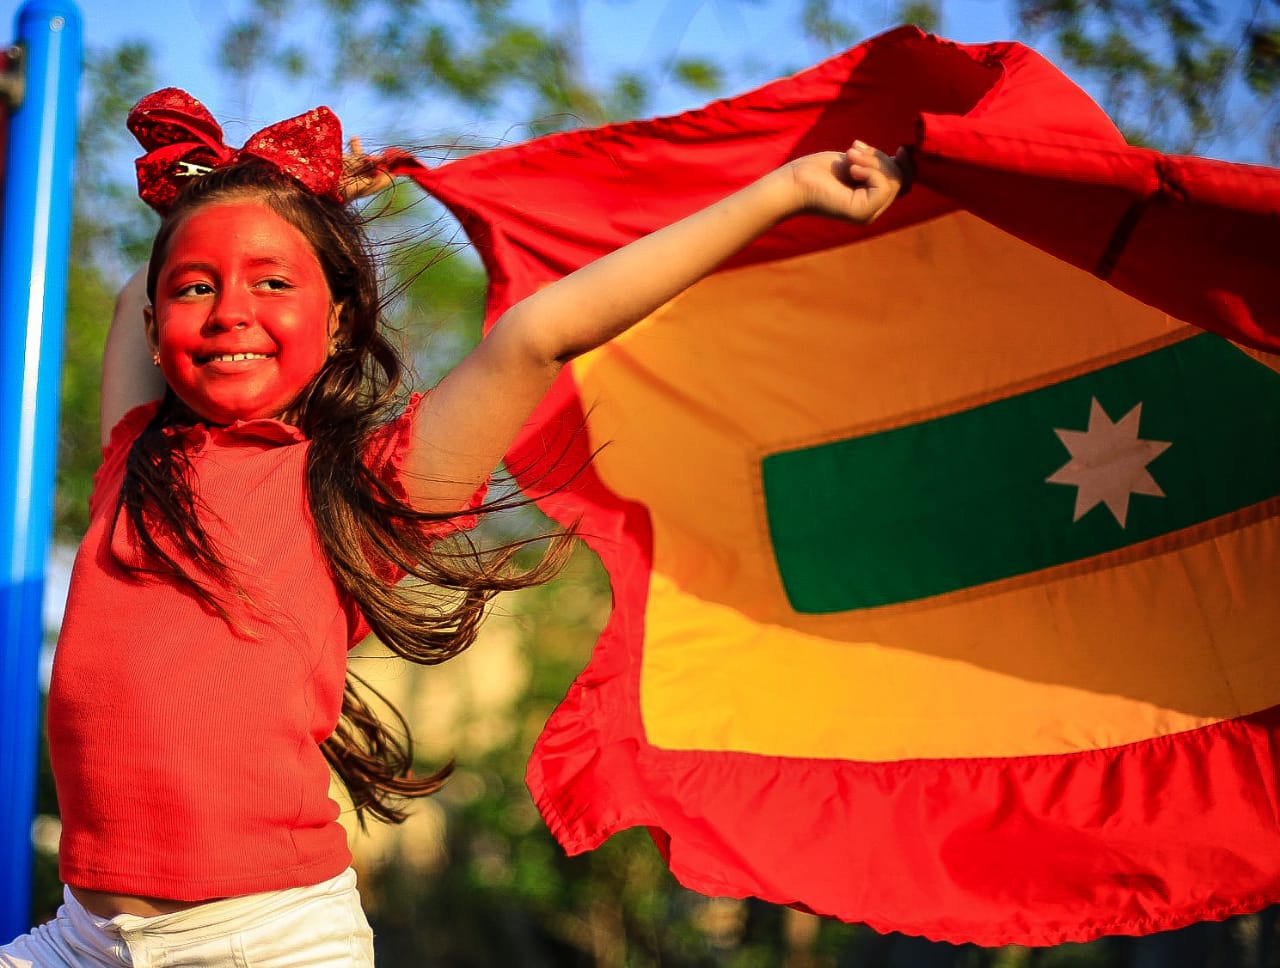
{"x": 33, "y": 288}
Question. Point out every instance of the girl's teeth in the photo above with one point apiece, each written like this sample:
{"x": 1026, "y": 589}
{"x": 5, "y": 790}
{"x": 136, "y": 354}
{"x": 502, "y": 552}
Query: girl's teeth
{"x": 236, "y": 357}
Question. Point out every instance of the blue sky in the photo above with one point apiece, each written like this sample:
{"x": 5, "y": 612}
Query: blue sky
{"x": 753, "y": 37}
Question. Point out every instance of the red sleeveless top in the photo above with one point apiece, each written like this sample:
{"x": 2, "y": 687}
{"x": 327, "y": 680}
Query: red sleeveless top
{"x": 187, "y": 753}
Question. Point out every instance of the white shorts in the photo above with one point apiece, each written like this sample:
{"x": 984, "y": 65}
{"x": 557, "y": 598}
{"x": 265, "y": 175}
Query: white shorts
{"x": 321, "y": 926}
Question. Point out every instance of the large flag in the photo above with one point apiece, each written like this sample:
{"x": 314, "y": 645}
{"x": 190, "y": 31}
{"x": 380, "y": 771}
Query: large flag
{"x": 944, "y": 552}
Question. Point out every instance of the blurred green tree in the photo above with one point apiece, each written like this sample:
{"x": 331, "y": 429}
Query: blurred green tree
{"x": 111, "y": 230}
{"x": 1180, "y": 75}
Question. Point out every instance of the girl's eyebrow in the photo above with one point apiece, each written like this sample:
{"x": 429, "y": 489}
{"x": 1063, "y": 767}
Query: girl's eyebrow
{"x": 258, "y": 262}
{"x": 269, "y": 261}
{"x": 193, "y": 265}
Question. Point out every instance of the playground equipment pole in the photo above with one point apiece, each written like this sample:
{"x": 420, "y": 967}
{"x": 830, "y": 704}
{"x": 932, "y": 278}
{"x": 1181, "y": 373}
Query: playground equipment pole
{"x": 33, "y": 285}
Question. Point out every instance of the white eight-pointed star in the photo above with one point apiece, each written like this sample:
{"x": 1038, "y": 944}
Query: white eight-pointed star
{"x": 1108, "y": 462}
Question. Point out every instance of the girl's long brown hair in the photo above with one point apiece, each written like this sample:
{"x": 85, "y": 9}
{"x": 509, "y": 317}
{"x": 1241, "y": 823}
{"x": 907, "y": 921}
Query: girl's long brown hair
{"x": 363, "y": 525}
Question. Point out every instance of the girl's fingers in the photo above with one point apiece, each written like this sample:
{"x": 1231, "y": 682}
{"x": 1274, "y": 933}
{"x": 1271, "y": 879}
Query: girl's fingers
{"x": 877, "y": 178}
{"x": 362, "y": 174}
{"x": 897, "y": 169}
{"x": 866, "y": 154}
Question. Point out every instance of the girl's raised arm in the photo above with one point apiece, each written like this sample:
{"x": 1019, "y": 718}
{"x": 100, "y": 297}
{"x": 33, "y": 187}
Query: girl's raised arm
{"x": 128, "y": 376}
{"x": 466, "y": 425}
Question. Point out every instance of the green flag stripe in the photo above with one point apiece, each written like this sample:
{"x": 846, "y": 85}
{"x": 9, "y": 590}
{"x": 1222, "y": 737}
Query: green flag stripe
{"x": 963, "y": 500}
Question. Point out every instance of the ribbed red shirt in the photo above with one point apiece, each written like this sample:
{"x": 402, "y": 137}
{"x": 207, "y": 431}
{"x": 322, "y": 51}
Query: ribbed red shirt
{"x": 187, "y": 757}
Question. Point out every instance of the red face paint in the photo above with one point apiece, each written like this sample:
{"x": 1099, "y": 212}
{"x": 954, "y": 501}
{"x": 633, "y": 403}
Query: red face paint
{"x": 243, "y": 316}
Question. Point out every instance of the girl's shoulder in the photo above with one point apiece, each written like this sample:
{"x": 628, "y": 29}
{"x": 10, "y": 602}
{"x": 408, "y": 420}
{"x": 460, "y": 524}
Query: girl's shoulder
{"x": 116, "y": 450}
{"x": 387, "y": 445}
{"x": 385, "y": 456}
{"x": 128, "y": 428}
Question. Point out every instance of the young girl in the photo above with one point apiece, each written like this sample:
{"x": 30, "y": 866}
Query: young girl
{"x": 252, "y": 515}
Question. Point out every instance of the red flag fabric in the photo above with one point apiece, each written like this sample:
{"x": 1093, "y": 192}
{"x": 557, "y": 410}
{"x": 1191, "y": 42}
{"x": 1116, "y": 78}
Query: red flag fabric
{"x": 942, "y": 551}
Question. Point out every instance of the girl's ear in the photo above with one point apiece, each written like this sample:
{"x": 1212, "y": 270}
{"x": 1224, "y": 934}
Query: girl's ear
{"x": 149, "y": 325}
{"x": 334, "y": 329}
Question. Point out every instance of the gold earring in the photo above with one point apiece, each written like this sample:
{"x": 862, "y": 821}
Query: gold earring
{"x": 155, "y": 358}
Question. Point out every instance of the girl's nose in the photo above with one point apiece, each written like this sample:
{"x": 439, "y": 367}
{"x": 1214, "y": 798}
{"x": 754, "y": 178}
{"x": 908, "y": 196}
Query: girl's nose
{"x": 231, "y": 310}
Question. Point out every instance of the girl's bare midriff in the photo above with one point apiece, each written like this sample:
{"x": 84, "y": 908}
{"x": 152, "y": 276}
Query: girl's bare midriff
{"x": 106, "y": 905}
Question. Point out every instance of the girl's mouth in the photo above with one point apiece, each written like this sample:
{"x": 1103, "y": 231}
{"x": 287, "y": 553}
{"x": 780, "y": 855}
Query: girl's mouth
{"x": 231, "y": 358}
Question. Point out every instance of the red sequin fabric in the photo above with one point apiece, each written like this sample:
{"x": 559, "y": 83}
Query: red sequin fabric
{"x": 182, "y": 140}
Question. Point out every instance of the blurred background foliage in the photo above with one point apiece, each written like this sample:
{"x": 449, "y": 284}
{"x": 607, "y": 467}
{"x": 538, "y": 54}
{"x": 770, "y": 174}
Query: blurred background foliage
{"x": 474, "y": 878}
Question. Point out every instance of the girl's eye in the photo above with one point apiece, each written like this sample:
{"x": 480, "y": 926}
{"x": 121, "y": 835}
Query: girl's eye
{"x": 195, "y": 289}
{"x": 274, "y": 284}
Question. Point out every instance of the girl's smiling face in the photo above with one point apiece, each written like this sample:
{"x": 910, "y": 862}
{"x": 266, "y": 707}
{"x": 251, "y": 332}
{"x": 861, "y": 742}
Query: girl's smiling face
{"x": 242, "y": 317}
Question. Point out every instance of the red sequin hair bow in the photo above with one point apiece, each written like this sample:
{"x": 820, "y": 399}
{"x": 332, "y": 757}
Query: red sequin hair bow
{"x": 182, "y": 141}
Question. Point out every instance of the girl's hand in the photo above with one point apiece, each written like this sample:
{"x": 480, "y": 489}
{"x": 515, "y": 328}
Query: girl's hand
{"x": 362, "y": 174}
{"x": 857, "y": 185}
